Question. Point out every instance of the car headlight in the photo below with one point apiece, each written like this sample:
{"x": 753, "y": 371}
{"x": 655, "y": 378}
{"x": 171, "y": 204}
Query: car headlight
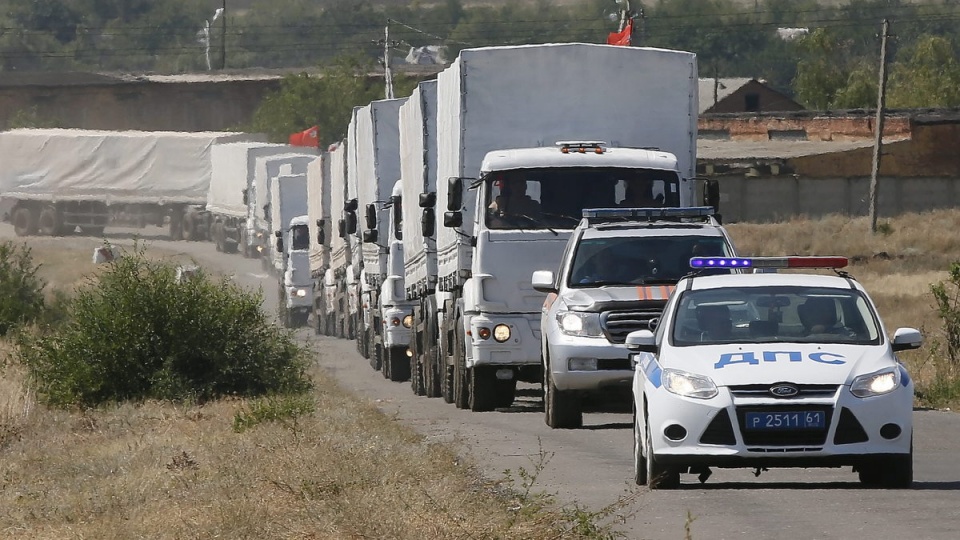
{"x": 408, "y": 321}
{"x": 301, "y": 293}
{"x": 876, "y": 384}
{"x": 686, "y": 384}
{"x": 577, "y": 323}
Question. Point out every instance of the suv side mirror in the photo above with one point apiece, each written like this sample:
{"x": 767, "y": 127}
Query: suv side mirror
{"x": 454, "y": 194}
{"x": 642, "y": 341}
{"x": 452, "y": 219}
{"x": 371, "y": 236}
{"x": 428, "y": 200}
{"x": 543, "y": 281}
{"x": 371, "y": 216}
{"x": 428, "y": 223}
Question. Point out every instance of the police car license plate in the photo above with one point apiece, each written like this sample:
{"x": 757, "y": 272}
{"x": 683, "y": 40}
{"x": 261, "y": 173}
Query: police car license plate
{"x": 785, "y": 420}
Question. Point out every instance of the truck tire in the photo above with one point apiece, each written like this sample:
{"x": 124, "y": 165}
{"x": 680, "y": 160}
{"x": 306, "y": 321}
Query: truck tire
{"x": 483, "y": 388}
{"x": 417, "y": 365}
{"x": 506, "y": 392}
{"x": 49, "y": 223}
{"x": 435, "y": 371}
{"x": 375, "y": 350}
{"x": 24, "y": 221}
{"x": 189, "y": 227}
{"x": 460, "y": 388}
{"x": 176, "y": 226}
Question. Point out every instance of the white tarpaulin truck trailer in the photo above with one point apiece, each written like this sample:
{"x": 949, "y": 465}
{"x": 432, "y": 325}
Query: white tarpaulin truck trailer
{"x": 60, "y": 179}
{"x": 318, "y": 212}
{"x": 335, "y": 320}
{"x": 259, "y": 233}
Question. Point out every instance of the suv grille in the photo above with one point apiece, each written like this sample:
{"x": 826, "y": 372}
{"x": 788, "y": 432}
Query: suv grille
{"x": 617, "y": 324}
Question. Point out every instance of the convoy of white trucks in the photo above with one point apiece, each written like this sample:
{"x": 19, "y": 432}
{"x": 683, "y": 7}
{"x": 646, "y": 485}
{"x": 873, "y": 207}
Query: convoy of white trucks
{"x": 418, "y": 234}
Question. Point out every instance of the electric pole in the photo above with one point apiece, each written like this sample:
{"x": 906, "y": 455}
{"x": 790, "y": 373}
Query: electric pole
{"x": 387, "y": 73}
{"x": 223, "y": 37}
{"x": 878, "y": 137}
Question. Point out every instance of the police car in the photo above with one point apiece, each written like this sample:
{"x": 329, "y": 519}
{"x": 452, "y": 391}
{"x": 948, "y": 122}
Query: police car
{"x": 809, "y": 380}
{"x": 618, "y": 270}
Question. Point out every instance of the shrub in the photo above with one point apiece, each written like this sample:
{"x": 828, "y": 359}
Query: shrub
{"x": 21, "y": 290}
{"x": 135, "y": 332}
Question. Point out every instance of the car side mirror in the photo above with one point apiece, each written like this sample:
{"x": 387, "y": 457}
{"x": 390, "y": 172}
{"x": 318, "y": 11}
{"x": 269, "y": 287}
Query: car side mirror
{"x": 371, "y": 236}
{"x": 642, "y": 341}
{"x": 428, "y": 223}
{"x": 428, "y": 200}
{"x": 543, "y": 281}
{"x": 351, "y": 222}
{"x": 452, "y": 219}
{"x": 454, "y": 194}
{"x": 906, "y": 338}
{"x": 371, "y": 216}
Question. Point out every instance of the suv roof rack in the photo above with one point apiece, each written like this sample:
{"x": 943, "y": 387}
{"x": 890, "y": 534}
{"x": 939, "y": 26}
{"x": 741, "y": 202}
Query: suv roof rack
{"x": 594, "y": 216}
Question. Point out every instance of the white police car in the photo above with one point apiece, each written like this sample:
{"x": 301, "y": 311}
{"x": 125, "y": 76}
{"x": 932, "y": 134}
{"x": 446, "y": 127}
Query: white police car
{"x": 811, "y": 381}
{"x": 617, "y": 272}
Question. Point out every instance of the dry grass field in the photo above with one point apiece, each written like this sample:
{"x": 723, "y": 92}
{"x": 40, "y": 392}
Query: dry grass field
{"x": 342, "y": 469}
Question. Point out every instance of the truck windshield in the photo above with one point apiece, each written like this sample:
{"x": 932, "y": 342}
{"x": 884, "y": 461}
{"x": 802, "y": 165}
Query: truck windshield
{"x": 555, "y": 198}
{"x": 639, "y": 260}
{"x": 300, "y": 237}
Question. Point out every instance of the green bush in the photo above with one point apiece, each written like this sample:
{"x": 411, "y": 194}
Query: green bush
{"x": 135, "y": 333}
{"x": 21, "y": 290}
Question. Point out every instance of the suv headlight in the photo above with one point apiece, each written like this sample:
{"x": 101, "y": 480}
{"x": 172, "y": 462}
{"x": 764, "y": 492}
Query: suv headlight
{"x": 877, "y": 383}
{"x": 686, "y": 384}
{"x": 577, "y": 323}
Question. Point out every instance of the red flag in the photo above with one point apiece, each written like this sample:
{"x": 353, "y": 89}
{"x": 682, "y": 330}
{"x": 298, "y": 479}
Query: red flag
{"x": 307, "y": 137}
{"x": 622, "y": 37}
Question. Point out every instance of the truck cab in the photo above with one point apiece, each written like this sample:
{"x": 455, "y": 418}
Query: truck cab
{"x": 296, "y": 283}
{"x": 396, "y": 312}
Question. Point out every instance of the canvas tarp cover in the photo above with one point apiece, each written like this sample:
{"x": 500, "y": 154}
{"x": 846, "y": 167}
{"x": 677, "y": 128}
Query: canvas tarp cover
{"x": 115, "y": 167}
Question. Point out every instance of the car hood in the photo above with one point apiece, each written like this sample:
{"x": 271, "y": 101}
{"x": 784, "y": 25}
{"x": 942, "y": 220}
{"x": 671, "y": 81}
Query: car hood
{"x": 738, "y": 364}
{"x": 605, "y": 298}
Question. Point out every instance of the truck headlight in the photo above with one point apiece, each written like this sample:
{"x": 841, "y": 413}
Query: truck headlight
{"x": 501, "y": 333}
{"x": 576, "y": 323}
{"x": 301, "y": 293}
{"x": 877, "y": 383}
{"x": 408, "y": 321}
{"x": 686, "y": 384}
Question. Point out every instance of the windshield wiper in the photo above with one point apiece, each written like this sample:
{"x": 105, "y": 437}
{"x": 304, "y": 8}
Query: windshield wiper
{"x": 539, "y": 222}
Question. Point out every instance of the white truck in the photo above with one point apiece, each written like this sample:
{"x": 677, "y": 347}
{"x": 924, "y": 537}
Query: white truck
{"x": 529, "y": 136}
{"x": 336, "y": 319}
{"x": 318, "y": 210}
{"x": 227, "y": 206}
{"x": 256, "y": 239}
{"x": 378, "y": 170}
{"x": 418, "y": 171}
{"x": 55, "y": 180}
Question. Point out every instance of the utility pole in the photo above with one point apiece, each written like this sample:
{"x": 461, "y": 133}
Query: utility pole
{"x": 223, "y": 37}
{"x": 387, "y": 72}
{"x": 878, "y": 137}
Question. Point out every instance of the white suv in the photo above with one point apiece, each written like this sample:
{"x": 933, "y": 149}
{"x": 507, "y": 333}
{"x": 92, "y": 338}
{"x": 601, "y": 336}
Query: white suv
{"x": 618, "y": 270}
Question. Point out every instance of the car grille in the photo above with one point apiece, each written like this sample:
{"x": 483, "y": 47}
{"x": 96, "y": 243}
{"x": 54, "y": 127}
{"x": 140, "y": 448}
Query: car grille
{"x": 617, "y": 324}
{"x": 792, "y": 437}
{"x": 806, "y": 390}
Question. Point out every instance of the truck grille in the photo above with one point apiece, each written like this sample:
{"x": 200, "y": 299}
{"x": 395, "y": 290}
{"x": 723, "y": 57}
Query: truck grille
{"x": 617, "y": 324}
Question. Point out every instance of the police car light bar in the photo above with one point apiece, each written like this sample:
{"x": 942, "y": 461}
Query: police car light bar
{"x": 768, "y": 262}
{"x": 648, "y": 213}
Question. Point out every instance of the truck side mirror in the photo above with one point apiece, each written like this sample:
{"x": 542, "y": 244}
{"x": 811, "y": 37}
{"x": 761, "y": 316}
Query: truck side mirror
{"x": 396, "y": 204}
{"x": 371, "y": 236}
{"x": 246, "y": 198}
{"x": 428, "y": 200}
{"x": 454, "y": 194}
{"x": 371, "y": 216}
{"x": 351, "y": 222}
{"x": 452, "y": 219}
{"x": 278, "y": 234}
{"x": 279, "y": 243}
{"x": 711, "y": 194}
{"x": 428, "y": 223}
{"x": 321, "y": 234}
{"x": 350, "y": 206}
{"x": 342, "y": 228}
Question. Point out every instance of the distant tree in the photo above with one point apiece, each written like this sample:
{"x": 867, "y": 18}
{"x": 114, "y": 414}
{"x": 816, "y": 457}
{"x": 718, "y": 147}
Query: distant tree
{"x": 860, "y": 91}
{"x": 821, "y": 74}
{"x": 929, "y": 77}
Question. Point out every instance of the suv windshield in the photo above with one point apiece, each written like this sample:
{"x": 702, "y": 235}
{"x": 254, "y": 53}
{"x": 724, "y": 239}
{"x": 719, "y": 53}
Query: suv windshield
{"x": 639, "y": 260}
{"x": 555, "y": 198}
{"x": 774, "y": 314}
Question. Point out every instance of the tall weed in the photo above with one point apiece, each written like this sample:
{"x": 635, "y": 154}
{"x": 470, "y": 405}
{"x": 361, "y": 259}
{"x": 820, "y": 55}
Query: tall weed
{"x": 21, "y": 290}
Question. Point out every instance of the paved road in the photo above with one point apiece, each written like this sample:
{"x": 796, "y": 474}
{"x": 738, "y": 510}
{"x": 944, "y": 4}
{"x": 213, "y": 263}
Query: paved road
{"x": 593, "y": 466}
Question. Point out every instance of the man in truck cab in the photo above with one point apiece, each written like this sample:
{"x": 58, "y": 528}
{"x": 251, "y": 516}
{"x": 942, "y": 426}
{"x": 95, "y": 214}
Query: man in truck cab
{"x": 513, "y": 200}
{"x": 639, "y": 194}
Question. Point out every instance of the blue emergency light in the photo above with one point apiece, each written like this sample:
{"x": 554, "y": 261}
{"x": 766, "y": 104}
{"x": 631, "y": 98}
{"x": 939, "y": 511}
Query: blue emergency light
{"x": 648, "y": 213}
{"x": 768, "y": 262}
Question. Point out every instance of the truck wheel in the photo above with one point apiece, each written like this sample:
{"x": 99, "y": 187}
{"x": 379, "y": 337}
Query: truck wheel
{"x": 483, "y": 388}
{"x": 417, "y": 372}
{"x": 189, "y": 227}
{"x": 176, "y": 226}
{"x": 562, "y": 410}
{"x": 395, "y": 359}
{"x": 435, "y": 370}
{"x": 460, "y": 389}
{"x": 24, "y": 222}
{"x": 48, "y": 222}
{"x": 506, "y": 392}
{"x": 244, "y": 246}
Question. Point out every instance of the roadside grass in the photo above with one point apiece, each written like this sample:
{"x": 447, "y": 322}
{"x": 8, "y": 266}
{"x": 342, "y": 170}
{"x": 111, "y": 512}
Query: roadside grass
{"x": 897, "y": 266}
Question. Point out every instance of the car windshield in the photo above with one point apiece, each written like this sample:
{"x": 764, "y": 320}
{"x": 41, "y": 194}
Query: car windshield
{"x": 555, "y": 198}
{"x": 301, "y": 237}
{"x": 774, "y": 314}
{"x": 639, "y": 260}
